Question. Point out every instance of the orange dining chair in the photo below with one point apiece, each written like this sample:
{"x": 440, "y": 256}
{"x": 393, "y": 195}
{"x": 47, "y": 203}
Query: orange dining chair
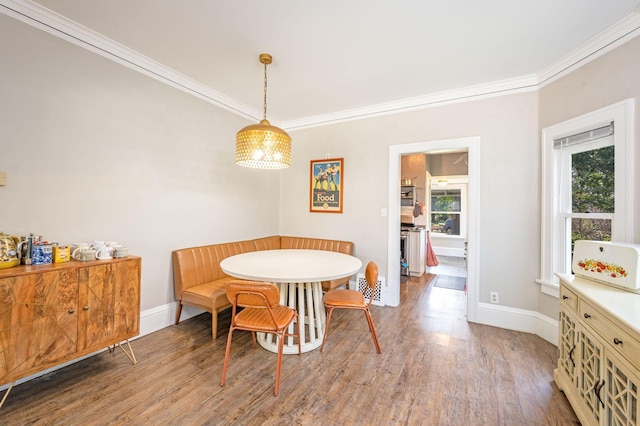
{"x": 262, "y": 313}
{"x": 352, "y": 299}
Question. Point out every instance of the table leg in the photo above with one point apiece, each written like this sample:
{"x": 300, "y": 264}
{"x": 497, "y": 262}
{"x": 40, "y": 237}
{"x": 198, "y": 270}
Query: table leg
{"x": 306, "y": 298}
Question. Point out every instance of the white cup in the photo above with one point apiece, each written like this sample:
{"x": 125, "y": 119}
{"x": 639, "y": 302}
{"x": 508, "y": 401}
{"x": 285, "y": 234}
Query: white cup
{"x": 84, "y": 254}
{"x": 104, "y": 253}
{"x": 76, "y": 246}
{"x": 120, "y": 251}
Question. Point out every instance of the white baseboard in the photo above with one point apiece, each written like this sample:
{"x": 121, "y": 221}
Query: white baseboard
{"x": 163, "y": 316}
{"x": 157, "y": 318}
{"x": 518, "y": 320}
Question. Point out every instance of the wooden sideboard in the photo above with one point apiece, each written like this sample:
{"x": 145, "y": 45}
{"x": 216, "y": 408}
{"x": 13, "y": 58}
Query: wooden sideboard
{"x": 599, "y": 351}
{"x": 51, "y": 314}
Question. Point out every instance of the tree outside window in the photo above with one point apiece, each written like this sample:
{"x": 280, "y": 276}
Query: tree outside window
{"x": 592, "y": 194}
{"x": 446, "y": 211}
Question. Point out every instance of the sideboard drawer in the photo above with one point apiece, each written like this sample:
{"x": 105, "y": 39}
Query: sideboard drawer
{"x": 568, "y": 299}
{"x": 616, "y": 336}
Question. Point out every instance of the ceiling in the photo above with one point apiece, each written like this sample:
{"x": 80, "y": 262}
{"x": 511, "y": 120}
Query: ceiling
{"x": 340, "y": 59}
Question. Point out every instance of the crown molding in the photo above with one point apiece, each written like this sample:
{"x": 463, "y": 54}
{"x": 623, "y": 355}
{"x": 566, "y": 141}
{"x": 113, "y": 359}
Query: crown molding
{"x": 614, "y": 36}
{"x": 44, "y": 19}
{"x": 465, "y": 94}
{"x": 55, "y": 24}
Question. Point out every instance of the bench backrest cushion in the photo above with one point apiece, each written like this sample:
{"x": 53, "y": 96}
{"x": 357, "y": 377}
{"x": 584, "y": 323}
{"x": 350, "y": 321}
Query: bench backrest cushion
{"x": 198, "y": 265}
{"x": 267, "y": 243}
{"x": 345, "y": 247}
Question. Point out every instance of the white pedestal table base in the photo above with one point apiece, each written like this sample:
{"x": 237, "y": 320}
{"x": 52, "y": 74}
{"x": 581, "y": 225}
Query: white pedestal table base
{"x": 306, "y": 298}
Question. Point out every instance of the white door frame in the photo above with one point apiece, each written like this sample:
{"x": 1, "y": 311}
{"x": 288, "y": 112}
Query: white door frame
{"x": 472, "y": 145}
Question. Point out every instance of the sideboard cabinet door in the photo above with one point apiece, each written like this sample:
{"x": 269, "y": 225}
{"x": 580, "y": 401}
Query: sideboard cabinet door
{"x": 591, "y": 374}
{"x": 109, "y": 302}
{"x": 621, "y": 391}
{"x": 567, "y": 345}
{"x": 603, "y": 386}
{"x": 38, "y": 321}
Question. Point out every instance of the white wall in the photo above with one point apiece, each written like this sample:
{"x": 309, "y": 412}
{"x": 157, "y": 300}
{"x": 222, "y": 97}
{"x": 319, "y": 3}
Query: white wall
{"x": 96, "y": 151}
{"x": 609, "y": 79}
{"x": 447, "y": 245}
{"x": 509, "y": 222}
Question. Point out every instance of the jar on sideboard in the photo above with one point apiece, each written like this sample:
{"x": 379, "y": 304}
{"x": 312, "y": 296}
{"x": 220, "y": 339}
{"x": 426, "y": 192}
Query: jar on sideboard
{"x": 8, "y": 251}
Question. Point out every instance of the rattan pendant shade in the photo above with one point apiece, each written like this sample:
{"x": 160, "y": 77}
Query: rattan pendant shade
{"x": 263, "y": 146}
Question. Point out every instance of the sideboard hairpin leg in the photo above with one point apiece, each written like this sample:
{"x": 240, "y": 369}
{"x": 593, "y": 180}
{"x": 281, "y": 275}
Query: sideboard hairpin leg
{"x": 6, "y": 394}
{"x": 129, "y": 354}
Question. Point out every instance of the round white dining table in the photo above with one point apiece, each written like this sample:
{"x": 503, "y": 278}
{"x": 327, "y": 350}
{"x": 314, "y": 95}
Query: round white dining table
{"x": 298, "y": 274}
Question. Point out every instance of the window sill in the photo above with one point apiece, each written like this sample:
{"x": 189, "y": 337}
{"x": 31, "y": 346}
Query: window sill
{"x": 549, "y": 288}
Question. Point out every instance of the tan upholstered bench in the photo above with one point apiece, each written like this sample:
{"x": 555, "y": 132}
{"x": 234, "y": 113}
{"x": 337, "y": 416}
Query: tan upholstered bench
{"x": 198, "y": 280}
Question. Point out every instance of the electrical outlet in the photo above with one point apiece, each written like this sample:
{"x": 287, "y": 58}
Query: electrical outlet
{"x": 494, "y": 297}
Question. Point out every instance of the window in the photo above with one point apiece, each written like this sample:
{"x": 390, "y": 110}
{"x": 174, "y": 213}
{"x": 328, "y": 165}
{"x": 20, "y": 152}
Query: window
{"x": 587, "y": 186}
{"x": 446, "y": 206}
{"x": 449, "y": 207}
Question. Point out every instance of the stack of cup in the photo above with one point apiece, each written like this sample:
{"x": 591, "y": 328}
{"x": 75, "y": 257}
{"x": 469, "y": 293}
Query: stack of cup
{"x": 119, "y": 251}
{"x": 100, "y": 250}
{"x": 83, "y": 252}
{"x": 103, "y": 250}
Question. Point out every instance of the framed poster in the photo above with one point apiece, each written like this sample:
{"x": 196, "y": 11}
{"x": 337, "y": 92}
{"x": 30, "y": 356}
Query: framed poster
{"x": 326, "y": 185}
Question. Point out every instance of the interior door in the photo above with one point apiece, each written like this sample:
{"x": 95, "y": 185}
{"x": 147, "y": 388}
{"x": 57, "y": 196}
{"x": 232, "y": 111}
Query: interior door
{"x": 427, "y": 199}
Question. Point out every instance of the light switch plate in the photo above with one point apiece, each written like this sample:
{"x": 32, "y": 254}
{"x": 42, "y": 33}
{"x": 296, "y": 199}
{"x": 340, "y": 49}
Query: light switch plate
{"x": 3, "y": 178}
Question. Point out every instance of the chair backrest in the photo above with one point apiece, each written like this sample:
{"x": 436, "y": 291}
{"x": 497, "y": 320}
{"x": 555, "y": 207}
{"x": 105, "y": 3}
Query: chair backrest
{"x": 371, "y": 276}
{"x": 253, "y": 294}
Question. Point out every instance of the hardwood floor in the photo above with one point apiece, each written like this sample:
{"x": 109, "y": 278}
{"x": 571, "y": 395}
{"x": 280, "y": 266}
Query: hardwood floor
{"x": 435, "y": 369}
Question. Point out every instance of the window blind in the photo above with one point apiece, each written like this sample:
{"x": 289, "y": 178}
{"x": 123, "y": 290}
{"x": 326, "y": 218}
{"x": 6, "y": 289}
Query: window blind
{"x": 582, "y": 137}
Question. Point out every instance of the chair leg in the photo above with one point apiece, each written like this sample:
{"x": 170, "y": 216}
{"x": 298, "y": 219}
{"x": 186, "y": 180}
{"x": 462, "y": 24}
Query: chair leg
{"x": 372, "y": 329}
{"x": 280, "y": 337}
{"x": 178, "y": 311}
{"x": 326, "y": 328}
{"x": 226, "y": 357}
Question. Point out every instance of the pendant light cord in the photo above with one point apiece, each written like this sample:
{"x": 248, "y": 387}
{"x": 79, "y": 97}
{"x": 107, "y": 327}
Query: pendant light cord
{"x": 265, "y": 91}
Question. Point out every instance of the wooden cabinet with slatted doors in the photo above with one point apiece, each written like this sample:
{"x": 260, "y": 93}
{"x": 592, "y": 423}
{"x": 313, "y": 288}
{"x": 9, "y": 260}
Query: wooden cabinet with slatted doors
{"x": 51, "y": 314}
{"x": 38, "y": 322}
{"x": 109, "y": 299}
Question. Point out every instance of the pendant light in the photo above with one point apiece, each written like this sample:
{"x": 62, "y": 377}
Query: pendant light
{"x": 263, "y": 146}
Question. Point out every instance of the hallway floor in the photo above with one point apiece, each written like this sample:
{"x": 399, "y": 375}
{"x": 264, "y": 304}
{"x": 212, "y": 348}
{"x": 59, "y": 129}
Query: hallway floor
{"x": 449, "y": 265}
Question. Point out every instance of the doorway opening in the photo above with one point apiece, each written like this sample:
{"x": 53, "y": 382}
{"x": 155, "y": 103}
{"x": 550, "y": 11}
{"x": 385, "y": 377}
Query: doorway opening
{"x": 471, "y": 145}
